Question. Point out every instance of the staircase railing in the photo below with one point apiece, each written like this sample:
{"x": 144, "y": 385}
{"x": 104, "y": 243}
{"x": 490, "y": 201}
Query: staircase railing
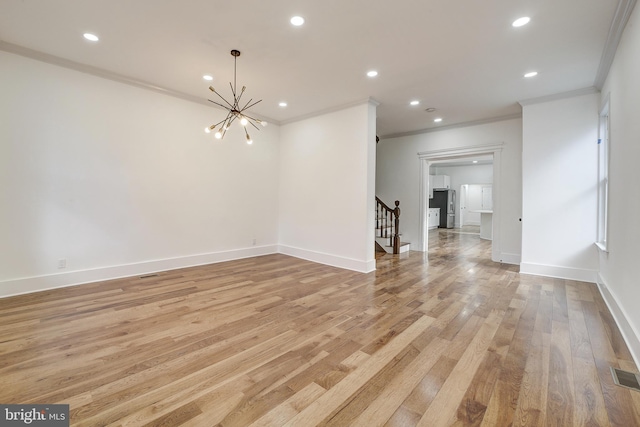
{"x": 388, "y": 223}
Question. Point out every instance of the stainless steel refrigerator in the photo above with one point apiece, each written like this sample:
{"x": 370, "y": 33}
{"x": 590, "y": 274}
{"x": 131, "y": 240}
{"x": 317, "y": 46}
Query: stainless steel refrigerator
{"x": 446, "y": 201}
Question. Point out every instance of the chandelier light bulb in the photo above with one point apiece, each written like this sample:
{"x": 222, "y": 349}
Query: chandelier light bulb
{"x": 207, "y": 130}
{"x": 244, "y": 121}
{"x": 218, "y": 135}
{"x": 263, "y": 123}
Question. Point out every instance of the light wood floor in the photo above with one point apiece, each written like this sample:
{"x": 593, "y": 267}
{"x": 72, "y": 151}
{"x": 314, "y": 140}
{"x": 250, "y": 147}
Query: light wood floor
{"x": 445, "y": 339}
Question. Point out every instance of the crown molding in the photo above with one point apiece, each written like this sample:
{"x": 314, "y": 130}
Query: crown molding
{"x": 370, "y": 101}
{"x": 454, "y": 126}
{"x": 109, "y": 75}
{"x": 563, "y": 95}
{"x": 618, "y": 24}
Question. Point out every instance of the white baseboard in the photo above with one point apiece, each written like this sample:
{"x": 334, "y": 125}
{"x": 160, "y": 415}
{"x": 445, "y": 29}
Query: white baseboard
{"x": 569, "y": 273}
{"x": 510, "y": 258}
{"x": 72, "y": 278}
{"x": 328, "y": 259}
{"x": 630, "y": 335}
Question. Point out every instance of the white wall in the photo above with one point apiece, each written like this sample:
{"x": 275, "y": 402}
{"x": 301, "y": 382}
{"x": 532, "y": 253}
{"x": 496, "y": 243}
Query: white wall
{"x": 618, "y": 272}
{"x": 459, "y": 175}
{"x": 398, "y": 175}
{"x": 327, "y": 176}
{"x": 119, "y": 180}
{"x": 559, "y": 169}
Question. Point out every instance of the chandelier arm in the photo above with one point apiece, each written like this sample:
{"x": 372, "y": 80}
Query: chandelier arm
{"x": 217, "y": 103}
{"x": 240, "y": 97}
{"x": 245, "y": 105}
{"x": 246, "y": 108}
{"x": 252, "y": 124}
{"x": 233, "y": 117}
{"x": 252, "y": 118}
{"x": 221, "y": 121}
{"x": 222, "y": 97}
{"x": 233, "y": 91}
{"x": 227, "y": 123}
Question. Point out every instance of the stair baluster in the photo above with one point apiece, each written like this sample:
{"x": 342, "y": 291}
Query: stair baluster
{"x": 388, "y": 222}
{"x": 396, "y": 228}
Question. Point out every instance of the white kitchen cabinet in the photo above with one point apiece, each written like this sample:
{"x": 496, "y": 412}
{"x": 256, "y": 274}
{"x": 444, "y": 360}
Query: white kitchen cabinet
{"x": 433, "y": 219}
{"x": 431, "y": 186}
{"x": 440, "y": 182}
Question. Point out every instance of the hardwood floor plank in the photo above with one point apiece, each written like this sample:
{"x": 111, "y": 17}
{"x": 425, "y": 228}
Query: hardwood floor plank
{"x": 561, "y": 395}
{"x": 589, "y": 407}
{"x": 365, "y": 396}
{"x": 399, "y": 388}
{"x": 291, "y": 407}
{"x": 422, "y": 396}
{"x": 478, "y": 395}
{"x": 533, "y": 392}
{"x": 443, "y": 409}
{"x": 503, "y": 403}
{"x": 335, "y": 397}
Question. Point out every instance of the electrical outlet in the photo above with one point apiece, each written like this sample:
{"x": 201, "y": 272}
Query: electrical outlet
{"x": 62, "y": 263}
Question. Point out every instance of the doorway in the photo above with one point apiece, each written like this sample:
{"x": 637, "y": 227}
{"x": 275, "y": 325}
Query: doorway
{"x": 429, "y": 158}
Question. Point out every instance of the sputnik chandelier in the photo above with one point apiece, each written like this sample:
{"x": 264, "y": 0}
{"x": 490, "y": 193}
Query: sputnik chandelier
{"x": 234, "y": 110}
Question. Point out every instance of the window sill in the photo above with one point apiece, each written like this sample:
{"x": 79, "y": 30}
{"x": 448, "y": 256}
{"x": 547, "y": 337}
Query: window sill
{"x": 602, "y": 247}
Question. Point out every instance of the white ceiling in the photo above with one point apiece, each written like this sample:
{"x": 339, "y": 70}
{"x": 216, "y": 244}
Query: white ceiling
{"x": 462, "y": 57}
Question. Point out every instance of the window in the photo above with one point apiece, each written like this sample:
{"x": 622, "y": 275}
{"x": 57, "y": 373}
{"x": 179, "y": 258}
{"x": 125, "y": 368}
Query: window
{"x": 603, "y": 177}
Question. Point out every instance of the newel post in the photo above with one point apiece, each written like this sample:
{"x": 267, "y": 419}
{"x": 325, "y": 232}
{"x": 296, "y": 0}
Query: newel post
{"x": 396, "y": 236}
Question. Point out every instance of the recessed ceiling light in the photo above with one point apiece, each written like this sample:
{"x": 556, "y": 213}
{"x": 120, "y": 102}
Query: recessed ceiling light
{"x": 372, "y": 73}
{"x": 283, "y": 104}
{"x": 438, "y": 120}
{"x": 475, "y": 161}
{"x": 207, "y": 77}
{"x": 297, "y": 21}
{"x": 521, "y": 21}
{"x": 91, "y": 37}
{"x": 531, "y": 74}
{"x": 415, "y": 103}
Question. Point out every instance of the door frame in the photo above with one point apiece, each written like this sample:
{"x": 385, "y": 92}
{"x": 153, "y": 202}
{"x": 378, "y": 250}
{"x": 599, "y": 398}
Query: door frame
{"x": 427, "y": 158}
